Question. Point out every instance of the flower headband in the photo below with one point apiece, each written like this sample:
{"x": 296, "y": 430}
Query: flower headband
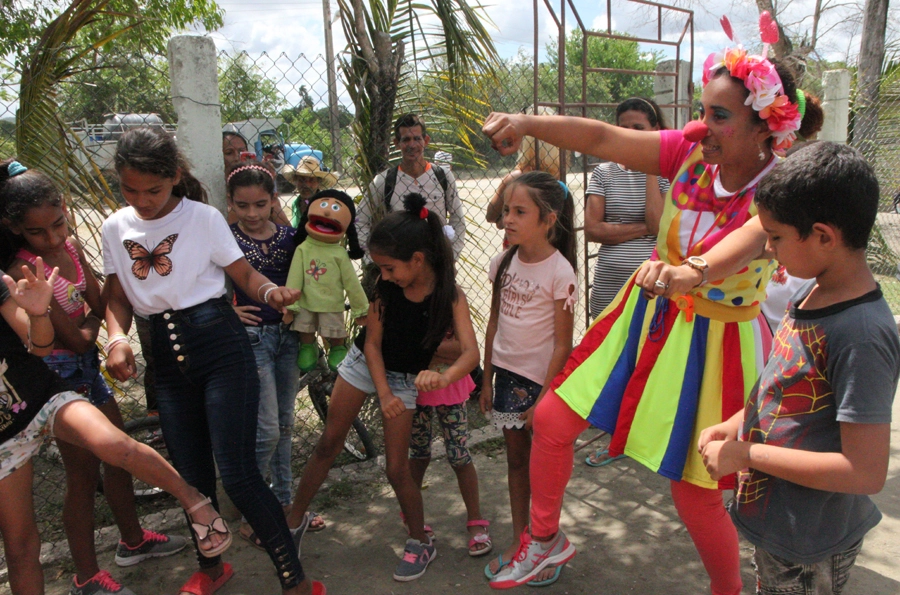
{"x": 247, "y": 167}
{"x": 760, "y": 78}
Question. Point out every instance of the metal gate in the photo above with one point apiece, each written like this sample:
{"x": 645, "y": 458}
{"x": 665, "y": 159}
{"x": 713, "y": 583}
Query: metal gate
{"x": 673, "y": 86}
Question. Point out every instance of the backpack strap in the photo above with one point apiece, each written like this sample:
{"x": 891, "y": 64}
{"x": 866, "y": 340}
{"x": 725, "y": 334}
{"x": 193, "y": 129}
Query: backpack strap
{"x": 441, "y": 176}
{"x": 390, "y": 181}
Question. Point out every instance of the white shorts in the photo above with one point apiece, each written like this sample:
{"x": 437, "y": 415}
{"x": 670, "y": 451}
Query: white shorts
{"x": 17, "y": 451}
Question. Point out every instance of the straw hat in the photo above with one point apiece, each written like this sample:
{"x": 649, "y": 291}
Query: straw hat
{"x": 310, "y": 166}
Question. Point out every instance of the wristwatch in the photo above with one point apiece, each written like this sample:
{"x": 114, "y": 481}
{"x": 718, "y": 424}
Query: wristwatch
{"x": 698, "y": 264}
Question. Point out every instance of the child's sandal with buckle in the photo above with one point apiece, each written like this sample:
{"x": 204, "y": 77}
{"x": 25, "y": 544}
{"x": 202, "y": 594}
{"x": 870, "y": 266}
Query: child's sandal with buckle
{"x": 202, "y": 532}
{"x": 480, "y": 538}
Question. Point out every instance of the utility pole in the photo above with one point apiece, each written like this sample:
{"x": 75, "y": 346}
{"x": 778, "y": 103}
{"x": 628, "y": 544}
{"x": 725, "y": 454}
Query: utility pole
{"x": 332, "y": 90}
{"x": 871, "y": 58}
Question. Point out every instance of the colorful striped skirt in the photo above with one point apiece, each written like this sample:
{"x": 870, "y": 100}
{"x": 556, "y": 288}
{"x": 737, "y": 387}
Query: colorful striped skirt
{"x": 654, "y": 380}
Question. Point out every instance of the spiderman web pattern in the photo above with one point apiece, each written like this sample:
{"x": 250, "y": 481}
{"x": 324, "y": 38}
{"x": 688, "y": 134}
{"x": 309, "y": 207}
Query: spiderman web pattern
{"x": 799, "y": 387}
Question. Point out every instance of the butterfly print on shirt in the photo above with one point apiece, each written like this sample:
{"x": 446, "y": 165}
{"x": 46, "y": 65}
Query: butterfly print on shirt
{"x": 156, "y": 259}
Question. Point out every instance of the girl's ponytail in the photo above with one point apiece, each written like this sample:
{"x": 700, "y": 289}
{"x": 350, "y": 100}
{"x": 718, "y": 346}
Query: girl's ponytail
{"x": 416, "y": 229}
{"x": 154, "y": 151}
{"x": 563, "y": 238}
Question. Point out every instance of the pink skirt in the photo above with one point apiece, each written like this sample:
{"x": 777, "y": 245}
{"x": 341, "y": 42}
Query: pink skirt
{"x": 456, "y": 393}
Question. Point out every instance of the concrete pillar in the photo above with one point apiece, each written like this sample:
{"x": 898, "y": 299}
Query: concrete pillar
{"x": 195, "y": 96}
{"x": 664, "y": 91}
{"x": 836, "y": 105}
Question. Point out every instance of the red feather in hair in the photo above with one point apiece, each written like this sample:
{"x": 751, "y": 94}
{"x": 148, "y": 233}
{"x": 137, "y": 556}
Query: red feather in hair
{"x": 726, "y": 26}
{"x": 768, "y": 28}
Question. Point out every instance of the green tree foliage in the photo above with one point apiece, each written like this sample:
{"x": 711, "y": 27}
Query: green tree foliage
{"x": 244, "y": 90}
{"x": 22, "y": 22}
{"x": 387, "y": 41}
{"x": 601, "y": 87}
{"x": 119, "y": 82}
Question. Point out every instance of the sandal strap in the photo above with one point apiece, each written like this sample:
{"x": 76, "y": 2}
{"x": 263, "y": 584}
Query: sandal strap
{"x": 199, "y": 505}
{"x": 479, "y": 523}
{"x": 480, "y": 538}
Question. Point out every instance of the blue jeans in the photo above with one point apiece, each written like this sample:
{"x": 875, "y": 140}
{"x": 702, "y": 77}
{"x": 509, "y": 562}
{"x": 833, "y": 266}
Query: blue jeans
{"x": 208, "y": 392}
{"x": 276, "y": 347}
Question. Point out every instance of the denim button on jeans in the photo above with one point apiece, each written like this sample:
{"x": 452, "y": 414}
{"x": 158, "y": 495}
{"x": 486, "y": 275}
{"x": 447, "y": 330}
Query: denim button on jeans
{"x": 208, "y": 393}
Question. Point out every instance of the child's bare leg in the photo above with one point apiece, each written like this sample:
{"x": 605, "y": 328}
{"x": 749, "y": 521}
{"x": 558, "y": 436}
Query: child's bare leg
{"x": 119, "y": 488}
{"x": 21, "y": 542}
{"x": 396, "y": 452}
{"x": 518, "y": 455}
{"x": 346, "y": 401}
{"x": 82, "y": 475}
{"x": 467, "y": 479}
{"x": 417, "y": 468}
{"x": 82, "y": 424}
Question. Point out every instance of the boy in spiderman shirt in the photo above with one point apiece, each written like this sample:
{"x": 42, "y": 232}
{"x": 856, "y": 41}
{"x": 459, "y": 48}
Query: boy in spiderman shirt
{"x": 814, "y": 438}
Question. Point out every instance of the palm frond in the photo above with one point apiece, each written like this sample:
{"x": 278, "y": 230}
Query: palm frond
{"x": 43, "y": 139}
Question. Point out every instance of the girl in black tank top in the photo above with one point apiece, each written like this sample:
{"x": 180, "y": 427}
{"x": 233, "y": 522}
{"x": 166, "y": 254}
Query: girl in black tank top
{"x": 416, "y": 303}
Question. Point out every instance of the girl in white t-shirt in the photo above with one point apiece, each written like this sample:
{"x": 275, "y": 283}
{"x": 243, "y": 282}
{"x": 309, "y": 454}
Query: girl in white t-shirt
{"x": 166, "y": 259}
{"x": 529, "y": 335}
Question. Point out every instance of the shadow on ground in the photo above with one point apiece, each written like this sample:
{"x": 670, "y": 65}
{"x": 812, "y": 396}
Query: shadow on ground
{"x": 620, "y": 518}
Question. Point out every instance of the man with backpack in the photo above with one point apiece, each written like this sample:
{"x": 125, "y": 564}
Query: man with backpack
{"x": 414, "y": 174}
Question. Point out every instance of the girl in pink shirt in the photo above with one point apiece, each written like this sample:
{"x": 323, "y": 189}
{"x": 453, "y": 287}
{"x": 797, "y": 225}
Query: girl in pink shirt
{"x": 529, "y": 335}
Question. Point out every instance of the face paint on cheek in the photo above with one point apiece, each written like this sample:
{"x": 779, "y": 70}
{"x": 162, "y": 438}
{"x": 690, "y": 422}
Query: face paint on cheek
{"x": 728, "y": 132}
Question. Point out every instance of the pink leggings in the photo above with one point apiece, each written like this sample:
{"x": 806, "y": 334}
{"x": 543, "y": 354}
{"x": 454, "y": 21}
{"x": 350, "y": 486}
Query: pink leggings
{"x": 556, "y": 427}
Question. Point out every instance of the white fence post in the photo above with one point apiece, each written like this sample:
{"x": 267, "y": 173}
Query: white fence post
{"x": 195, "y": 96}
{"x": 836, "y": 105}
{"x": 664, "y": 91}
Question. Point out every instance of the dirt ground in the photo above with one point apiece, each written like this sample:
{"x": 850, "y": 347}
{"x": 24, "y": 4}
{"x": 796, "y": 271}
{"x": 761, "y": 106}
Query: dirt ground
{"x": 620, "y": 518}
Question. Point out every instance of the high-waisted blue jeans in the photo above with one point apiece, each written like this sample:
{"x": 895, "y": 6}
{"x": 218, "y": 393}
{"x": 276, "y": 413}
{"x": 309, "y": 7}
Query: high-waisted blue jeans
{"x": 275, "y": 347}
{"x": 208, "y": 391}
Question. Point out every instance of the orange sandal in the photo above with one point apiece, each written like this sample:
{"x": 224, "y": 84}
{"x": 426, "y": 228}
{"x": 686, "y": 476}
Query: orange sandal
{"x": 200, "y": 583}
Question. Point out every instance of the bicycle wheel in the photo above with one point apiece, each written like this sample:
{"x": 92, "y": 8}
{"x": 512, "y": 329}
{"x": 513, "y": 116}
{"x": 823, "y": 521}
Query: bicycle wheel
{"x": 359, "y": 443}
{"x": 146, "y": 430}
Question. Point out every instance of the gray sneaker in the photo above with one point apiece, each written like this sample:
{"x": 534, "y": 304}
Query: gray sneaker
{"x": 531, "y": 558}
{"x": 99, "y": 584}
{"x": 416, "y": 558}
{"x": 155, "y": 545}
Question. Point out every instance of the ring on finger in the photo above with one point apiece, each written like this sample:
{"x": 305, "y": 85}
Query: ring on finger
{"x": 660, "y": 285}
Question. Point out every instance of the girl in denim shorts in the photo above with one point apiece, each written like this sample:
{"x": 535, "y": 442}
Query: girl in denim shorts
{"x": 416, "y": 302}
{"x": 529, "y": 334}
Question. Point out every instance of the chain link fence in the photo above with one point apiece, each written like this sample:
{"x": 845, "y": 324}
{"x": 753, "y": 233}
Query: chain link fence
{"x": 291, "y": 93}
{"x": 875, "y": 130}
